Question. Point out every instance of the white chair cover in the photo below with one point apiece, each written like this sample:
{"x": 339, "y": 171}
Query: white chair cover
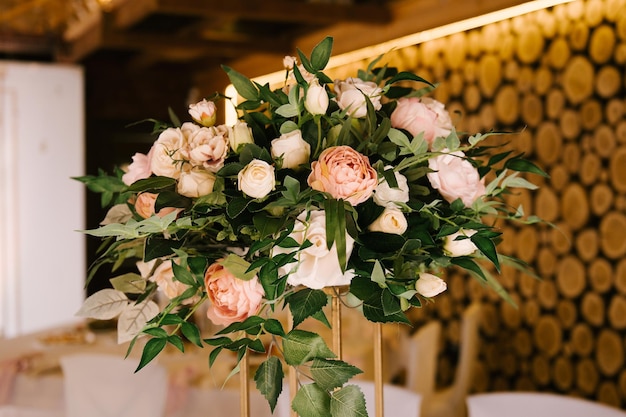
{"x": 535, "y": 404}
{"x": 106, "y": 386}
{"x": 421, "y": 357}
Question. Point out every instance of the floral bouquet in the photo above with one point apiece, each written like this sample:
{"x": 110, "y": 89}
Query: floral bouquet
{"x": 361, "y": 183}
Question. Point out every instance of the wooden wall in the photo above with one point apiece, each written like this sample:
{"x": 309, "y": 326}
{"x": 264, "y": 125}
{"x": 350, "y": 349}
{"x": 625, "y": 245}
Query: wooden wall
{"x": 557, "y": 76}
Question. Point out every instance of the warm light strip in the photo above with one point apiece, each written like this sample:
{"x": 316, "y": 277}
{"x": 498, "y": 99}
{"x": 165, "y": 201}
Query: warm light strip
{"x": 413, "y": 39}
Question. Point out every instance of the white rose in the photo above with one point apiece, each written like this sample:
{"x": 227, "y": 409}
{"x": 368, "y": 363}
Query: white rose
{"x": 386, "y": 196}
{"x": 204, "y": 112}
{"x": 195, "y": 183}
{"x": 167, "y": 153}
{"x": 461, "y": 247}
{"x": 294, "y": 150}
{"x": 289, "y": 62}
{"x": 351, "y": 96}
{"x": 256, "y": 179}
{"x": 239, "y": 134}
{"x": 316, "y": 266}
{"x": 429, "y": 285}
{"x": 391, "y": 220}
{"x": 316, "y": 100}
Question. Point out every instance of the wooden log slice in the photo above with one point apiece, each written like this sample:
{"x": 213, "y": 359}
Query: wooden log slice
{"x": 507, "y": 105}
{"x": 471, "y": 97}
{"x": 570, "y": 279}
{"x": 481, "y": 377}
{"x": 490, "y": 323}
{"x": 555, "y": 101}
{"x": 511, "y": 70}
{"x": 547, "y": 294}
{"x": 507, "y": 47}
{"x": 620, "y": 131}
{"x": 587, "y": 244}
{"x": 620, "y": 26}
{"x": 602, "y": 44}
{"x": 532, "y": 110}
{"x": 617, "y": 169}
{"x": 594, "y": 12}
{"x": 612, "y": 233}
{"x": 563, "y": 373}
{"x": 575, "y": 206}
{"x": 525, "y": 79}
{"x": 549, "y": 143}
{"x": 567, "y": 312}
{"x": 547, "y": 23}
{"x": 587, "y": 376}
{"x": 442, "y": 93}
{"x": 474, "y": 46}
{"x": 487, "y": 116}
{"x": 455, "y": 52}
{"x": 591, "y": 114}
{"x": 617, "y": 312}
{"x": 569, "y": 123}
{"x": 456, "y": 284}
{"x": 559, "y": 177}
{"x": 614, "y": 111}
{"x": 527, "y": 241}
{"x": 546, "y": 204}
{"x": 620, "y": 53}
{"x": 561, "y": 238}
{"x": 609, "y": 352}
{"x": 571, "y": 157}
{"x": 575, "y": 10}
{"x": 543, "y": 81}
{"x": 620, "y": 276}
{"x": 582, "y": 340}
{"x": 546, "y": 266}
{"x": 456, "y": 83}
{"x": 523, "y": 343}
{"x": 579, "y": 36}
{"x": 600, "y": 273}
{"x": 548, "y": 336}
{"x": 590, "y": 169}
{"x": 529, "y": 44}
{"x": 604, "y": 141}
{"x": 531, "y": 312}
{"x": 523, "y": 141}
{"x": 608, "y": 81}
{"x": 563, "y": 21}
{"x": 578, "y": 79}
{"x": 614, "y": 10}
{"x": 622, "y": 383}
{"x": 489, "y": 74}
{"x": 511, "y": 316}
{"x": 608, "y": 394}
{"x": 490, "y": 38}
{"x": 559, "y": 53}
{"x": 541, "y": 370}
{"x": 592, "y": 309}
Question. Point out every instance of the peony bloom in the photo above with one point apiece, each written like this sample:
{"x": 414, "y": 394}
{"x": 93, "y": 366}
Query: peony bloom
{"x": 144, "y": 206}
{"x": 163, "y": 276}
{"x": 208, "y": 147}
{"x": 455, "y": 177}
{"x": 351, "y": 95}
{"x": 293, "y": 150}
{"x": 167, "y": 153}
{"x": 429, "y": 285}
{"x": 239, "y": 134}
{"x": 412, "y": 115}
{"x": 316, "y": 100}
{"x": 204, "y": 112}
{"x": 461, "y": 247}
{"x": 232, "y": 299}
{"x": 386, "y": 196}
{"x": 391, "y": 220}
{"x": 316, "y": 266}
{"x": 139, "y": 169}
{"x": 343, "y": 173}
{"x": 195, "y": 183}
{"x": 256, "y": 179}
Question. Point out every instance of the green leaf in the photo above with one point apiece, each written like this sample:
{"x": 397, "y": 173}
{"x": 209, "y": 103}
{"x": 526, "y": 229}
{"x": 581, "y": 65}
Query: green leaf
{"x": 274, "y": 326}
{"x": 152, "y": 348}
{"x": 214, "y": 354}
{"x": 408, "y": 76}
{"x": 191, "y": 332}
{"x": 153, "y": 184}
{"x": 130, "y": 283}
{"x": 336, "y": 229}
{"x": 487, "y": 248}
{"x": 349, "y": 401}
{"x": 183, "y": 274}
{"x": 301, "y": 346}
{"x": 523, "y": 165}
{"x": 177, "y": 342}
{"x": 312, "y": 401}
{"x": 238, "y": 266}
{"x": 330, "y": 374}
{"x": 390, "y": 303}
{"x": 321, "y": 53}
{"x": 242, "y": 84}
{"x": 305, "y": 303}
{"x": 237, "y": 206}
{"x": 269, "y": 380}
{"x": 266, "y": 224}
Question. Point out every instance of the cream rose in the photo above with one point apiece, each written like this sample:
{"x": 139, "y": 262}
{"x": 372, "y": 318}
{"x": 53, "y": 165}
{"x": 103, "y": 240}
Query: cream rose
{"x": 343, "y": 173}
{"x": 454, "y": 177}
{"x": 232, "y": 299}
{"x": 289, "y": 62}
{"x": 195, "y": 183}
{"x": 461, "y": 247}
{"x": 316, "y": 266}
{"x": 139, "y": 169}
{"x": 429, "y": 285}
{"x": 386, "y": 196}
{"x": 351, "y": 95}
{"x": 293, "y": 150}
{"x": 239, "y": 134}
{"x": 167, "y": 153}
{"x": 166, "y": 283}
{"x": 391, "y": 220}
{"x": 412, "y": 115}
{"x": 256, "y": 179}
{"x": 144, "y": 206}
{"x": 204, "y": 112}
{"x": 208, "y": 147}
{"x": 316, "y": 100}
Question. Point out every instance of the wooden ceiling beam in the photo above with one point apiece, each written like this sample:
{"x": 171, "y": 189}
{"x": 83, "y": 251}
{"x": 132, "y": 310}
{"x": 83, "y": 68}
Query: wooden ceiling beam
{"x": 279, "y": 11}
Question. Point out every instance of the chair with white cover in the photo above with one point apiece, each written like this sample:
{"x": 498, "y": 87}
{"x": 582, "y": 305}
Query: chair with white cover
{"x": 451, "y": 401}
{"x": 99, "y": 385}
{"x": 421, "y": 359}
{"x": 536, "y": 404}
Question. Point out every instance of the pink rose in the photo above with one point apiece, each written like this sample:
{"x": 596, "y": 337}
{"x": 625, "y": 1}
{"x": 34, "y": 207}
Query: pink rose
{"x": 343, "y": 173}
{"x": 163, "y": 276}
{"x": 455, "y": 177}
{"x": 208, "y": 147}
{"x": 139, "y": 169}
{"x": 415, "y": 117}
{"x": 232, "y": 299}
{"x": 144, "y": 206}
{"x": 443, "y": 123}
